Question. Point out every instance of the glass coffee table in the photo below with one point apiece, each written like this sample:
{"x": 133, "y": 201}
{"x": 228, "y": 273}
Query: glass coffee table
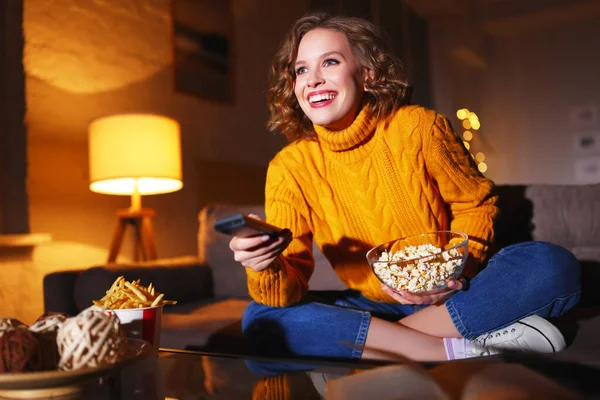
{"x": 182, "y": 374}
{"x": 208, "y": 375}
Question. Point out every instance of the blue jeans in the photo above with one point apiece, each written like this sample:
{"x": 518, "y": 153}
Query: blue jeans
{"x": 519, "y": 281}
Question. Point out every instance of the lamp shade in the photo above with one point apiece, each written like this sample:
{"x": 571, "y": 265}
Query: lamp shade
{"x": 135, "y": 154}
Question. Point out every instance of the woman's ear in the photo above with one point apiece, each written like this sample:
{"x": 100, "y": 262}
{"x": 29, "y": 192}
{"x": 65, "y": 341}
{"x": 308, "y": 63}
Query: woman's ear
{"x": 368, "y": 76}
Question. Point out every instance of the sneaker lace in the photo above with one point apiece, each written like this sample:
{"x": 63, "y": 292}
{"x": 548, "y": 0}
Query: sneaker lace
{"x": 487, "y": 344}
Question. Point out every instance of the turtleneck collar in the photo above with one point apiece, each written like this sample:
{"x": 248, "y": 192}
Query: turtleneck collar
{"x": 350, "y": 138}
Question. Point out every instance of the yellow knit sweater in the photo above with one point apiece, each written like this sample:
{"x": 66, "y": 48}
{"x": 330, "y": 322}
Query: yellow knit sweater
{"x": 352, "y": 190}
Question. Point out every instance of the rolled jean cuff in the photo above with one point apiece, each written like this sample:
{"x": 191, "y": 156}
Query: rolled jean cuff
{"x": 458, "y": 323}
{"x": 361, "y": 336}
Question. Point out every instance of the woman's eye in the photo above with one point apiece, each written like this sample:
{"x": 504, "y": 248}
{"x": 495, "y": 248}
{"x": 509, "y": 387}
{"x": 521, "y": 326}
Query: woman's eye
{"x": 301, "y": 70}
{"x": 330, "y": 62}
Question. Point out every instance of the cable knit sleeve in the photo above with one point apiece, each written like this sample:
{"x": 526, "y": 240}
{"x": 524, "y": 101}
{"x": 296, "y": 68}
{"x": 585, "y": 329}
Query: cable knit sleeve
{"x": 469, "y": 195}
{"x": 286, "y": 280}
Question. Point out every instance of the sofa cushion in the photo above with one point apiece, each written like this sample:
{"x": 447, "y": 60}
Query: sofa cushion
{"x": 92, "y": 284}
{"x": 567, "y": 215}
{"x": 229, "y": 275}
{"x": 183, "y": 279}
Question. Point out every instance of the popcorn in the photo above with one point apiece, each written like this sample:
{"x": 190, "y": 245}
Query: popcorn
{"x": 418, "y": 268}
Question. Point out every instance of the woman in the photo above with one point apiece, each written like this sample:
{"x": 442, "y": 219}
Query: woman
{"x": 363, "y": 168}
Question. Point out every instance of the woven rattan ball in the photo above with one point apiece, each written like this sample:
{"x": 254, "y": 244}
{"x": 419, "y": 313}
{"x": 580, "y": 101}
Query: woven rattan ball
{"x": 93, "y": 338}
{"x": 48, "y": 323}
{"x": 8, "y": 323}
{"x": 19, "y": 351}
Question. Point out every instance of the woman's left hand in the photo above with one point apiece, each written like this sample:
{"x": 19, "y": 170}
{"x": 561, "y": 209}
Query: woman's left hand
{"x": 405, "y": 297}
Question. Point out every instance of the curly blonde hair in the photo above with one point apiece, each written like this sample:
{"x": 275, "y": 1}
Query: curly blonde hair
{"x": 386, "y": 91}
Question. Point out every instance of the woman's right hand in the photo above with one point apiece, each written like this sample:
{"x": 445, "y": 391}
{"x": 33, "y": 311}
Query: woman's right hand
{"x": 258, "y": 252}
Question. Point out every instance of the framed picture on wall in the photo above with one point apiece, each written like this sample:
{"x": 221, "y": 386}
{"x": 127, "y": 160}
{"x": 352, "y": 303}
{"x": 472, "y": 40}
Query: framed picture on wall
{"x": 202, "y": 48}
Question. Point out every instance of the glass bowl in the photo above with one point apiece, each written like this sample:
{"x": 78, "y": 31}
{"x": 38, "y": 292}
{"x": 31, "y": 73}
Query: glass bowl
{"x": 420, "y": 264}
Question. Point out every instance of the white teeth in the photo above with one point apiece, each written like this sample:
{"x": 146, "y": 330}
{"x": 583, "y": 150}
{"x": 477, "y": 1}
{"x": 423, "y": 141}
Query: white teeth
{"x": 321, "y": 97}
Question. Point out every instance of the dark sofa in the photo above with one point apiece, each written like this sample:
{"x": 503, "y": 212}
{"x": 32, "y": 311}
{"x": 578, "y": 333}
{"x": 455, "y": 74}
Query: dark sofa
{"x": 211, "y": 288}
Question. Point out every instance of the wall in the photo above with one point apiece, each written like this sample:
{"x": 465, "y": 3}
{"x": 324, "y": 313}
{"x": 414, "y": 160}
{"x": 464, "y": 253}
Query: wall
{"x": 533, "y": 83}
{"x": 524, "y": 97}
{"x": 86, "y": 59}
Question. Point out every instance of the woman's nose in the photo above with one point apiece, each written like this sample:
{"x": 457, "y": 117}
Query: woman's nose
{"x": 315, "y": 79}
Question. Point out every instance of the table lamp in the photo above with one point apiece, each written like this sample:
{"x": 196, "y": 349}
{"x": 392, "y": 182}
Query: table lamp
{"x": 135, "y": 155}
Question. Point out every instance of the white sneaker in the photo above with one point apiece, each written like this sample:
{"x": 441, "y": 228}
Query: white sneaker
{"x": 531, "y": 334}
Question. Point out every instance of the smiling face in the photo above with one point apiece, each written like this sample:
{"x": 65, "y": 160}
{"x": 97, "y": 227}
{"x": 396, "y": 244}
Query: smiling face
{"x": 329, "y": 80}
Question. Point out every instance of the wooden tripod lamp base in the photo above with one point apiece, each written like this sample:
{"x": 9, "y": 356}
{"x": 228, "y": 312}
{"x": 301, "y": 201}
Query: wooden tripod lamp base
{"x": 141, "y": 221}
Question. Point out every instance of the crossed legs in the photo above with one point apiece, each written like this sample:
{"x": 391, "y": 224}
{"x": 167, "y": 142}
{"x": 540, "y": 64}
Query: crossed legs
{"x": 521, "y": 280}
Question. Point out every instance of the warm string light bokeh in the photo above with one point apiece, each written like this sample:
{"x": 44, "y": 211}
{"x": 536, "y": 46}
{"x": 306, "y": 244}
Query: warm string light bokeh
{"x": 470, "y": 123}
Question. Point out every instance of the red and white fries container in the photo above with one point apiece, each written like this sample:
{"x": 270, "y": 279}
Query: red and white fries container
{"x": 141, "y": 323}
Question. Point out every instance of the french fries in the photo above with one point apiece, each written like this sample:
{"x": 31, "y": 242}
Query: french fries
{"x": 123, "y": 294}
